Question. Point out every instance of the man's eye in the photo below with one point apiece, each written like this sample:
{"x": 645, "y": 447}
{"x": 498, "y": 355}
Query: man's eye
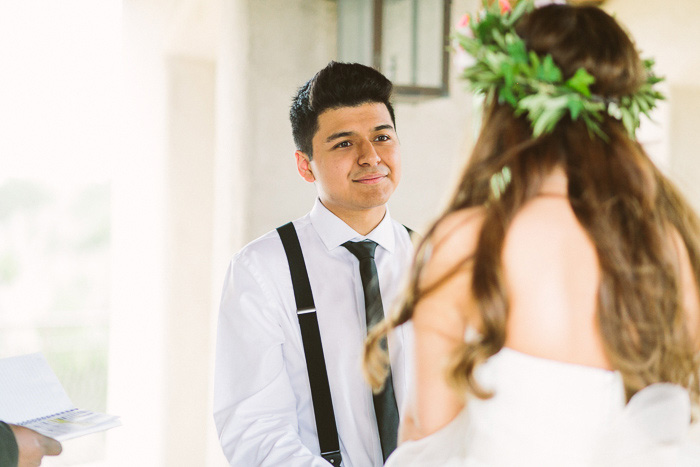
{"x": 343, "y": 144}
{"x": 382, "y": 138}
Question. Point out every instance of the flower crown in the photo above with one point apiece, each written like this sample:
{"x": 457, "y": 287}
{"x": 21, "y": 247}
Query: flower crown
{"x": 502, "y": 68}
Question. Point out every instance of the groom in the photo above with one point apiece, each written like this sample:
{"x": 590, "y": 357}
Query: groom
{"x": 289, "y": 388}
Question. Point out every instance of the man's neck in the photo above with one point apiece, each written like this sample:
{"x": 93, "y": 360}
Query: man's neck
{"x": 362, "y": 222}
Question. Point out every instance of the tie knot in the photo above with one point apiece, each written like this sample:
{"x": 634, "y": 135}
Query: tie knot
{"x": 361, "y": 250}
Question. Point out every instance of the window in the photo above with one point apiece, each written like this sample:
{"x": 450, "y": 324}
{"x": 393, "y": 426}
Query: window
{"x": 405, "y": 39}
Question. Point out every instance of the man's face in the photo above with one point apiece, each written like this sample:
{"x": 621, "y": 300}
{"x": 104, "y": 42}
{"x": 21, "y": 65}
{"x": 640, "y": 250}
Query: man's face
{"x": 356, "y": 159}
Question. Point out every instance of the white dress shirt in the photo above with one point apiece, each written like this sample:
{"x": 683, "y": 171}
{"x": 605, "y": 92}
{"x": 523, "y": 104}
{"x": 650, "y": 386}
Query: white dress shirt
{"x": 262, "y": 401}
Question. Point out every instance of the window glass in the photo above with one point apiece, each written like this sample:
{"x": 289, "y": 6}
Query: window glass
{"x": 404, "y": 39}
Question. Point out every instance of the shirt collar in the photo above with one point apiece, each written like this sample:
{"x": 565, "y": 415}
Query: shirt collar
{"x": 334, "y": 231}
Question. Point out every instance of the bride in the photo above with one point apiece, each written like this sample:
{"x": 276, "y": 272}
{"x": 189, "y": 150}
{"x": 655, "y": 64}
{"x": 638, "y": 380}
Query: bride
{"x": 555, "y": 302}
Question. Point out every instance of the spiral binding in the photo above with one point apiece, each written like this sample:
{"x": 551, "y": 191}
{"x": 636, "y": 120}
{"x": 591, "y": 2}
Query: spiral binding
{"x": 47, "y": 417}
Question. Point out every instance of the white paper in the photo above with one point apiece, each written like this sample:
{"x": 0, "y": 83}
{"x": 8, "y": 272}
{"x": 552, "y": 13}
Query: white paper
{"x": 72, "y": 424}
{"x": 31, "y": 395}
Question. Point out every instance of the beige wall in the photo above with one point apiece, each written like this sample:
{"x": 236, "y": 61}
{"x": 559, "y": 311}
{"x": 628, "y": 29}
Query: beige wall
{"x": 684, "y": 142}
{"x": 289, "y": 42}
{"x": 668, "y": 31}
{"x": 188, "y": 246}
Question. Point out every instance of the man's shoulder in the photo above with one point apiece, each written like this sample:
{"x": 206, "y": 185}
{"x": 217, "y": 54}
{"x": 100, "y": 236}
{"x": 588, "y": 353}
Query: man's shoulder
{"x": 268, "y": 247}
{"x": 404, "y": 233}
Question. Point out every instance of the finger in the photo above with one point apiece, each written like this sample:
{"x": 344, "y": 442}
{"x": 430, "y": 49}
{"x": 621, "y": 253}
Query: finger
{"x": 50, "y": 446}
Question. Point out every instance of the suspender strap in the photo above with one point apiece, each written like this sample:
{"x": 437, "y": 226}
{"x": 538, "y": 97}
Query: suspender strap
{"x": 313, "y": 350}
{"x": 411, "y": 233}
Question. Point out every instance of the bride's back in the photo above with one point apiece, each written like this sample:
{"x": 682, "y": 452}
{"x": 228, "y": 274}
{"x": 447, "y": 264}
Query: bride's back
{"x": 551, "y": 276}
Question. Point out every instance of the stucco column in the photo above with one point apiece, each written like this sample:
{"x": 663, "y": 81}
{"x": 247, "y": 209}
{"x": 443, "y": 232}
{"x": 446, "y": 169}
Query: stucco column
{"x": 137, "y": 318}
{"x": 231, "y": 180}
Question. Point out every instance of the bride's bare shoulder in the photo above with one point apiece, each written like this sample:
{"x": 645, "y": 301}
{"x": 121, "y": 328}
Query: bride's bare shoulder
{"x": 451, "y": 246}
{"x": 457, "y": 233}
{"x": 446, "y": 304}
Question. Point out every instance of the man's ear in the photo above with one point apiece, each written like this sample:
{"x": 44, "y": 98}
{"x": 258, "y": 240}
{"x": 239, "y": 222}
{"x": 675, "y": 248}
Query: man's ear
{"x": 304, "y": 166}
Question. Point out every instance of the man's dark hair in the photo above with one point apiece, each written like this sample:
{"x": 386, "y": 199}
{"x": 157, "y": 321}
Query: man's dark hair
{"x": 337, "y": 85}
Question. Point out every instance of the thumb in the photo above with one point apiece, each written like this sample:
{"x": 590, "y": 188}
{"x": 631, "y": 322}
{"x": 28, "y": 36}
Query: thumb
{"x": 50, "y": 446}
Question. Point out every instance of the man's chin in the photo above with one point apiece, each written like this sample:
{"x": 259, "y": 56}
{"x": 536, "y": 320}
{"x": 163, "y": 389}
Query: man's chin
{"x": 371, "y": 204}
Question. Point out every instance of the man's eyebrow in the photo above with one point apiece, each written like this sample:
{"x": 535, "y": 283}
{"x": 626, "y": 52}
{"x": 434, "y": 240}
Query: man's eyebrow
{"x": 343, "y": 134}
{"x": 340, "y": 134}
{"x": 386, "y": 126}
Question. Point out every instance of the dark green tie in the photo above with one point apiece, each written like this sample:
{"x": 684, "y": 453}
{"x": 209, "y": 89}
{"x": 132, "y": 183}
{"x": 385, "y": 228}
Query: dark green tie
{"x": 385, "y": 407}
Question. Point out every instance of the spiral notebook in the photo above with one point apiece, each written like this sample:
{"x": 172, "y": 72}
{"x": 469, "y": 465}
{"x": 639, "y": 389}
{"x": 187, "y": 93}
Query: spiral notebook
{"x": 32, "y": 396}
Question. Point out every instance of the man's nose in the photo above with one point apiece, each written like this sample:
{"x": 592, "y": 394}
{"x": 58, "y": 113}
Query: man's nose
{"x": 368, "y": 155}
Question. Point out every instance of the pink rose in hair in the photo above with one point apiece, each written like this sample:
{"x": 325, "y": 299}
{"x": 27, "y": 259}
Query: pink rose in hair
{"x": 463, "y": 26}
{"x": 464, "y": 21}
{"x": 505, "y": 5}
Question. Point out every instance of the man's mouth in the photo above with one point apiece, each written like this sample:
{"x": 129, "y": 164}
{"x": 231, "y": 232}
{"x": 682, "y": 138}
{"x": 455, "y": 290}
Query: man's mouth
{"x": 370, "y": 179}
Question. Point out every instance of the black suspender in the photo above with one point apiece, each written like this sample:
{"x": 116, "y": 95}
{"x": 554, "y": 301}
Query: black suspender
{"x": 313, "y": 350}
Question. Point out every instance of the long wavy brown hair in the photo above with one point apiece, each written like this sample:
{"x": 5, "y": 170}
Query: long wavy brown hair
{"x": 626, "y": 205}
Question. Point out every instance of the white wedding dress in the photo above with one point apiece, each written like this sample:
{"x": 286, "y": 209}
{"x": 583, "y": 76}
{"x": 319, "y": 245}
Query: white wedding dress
{"x": 549, "y": 413}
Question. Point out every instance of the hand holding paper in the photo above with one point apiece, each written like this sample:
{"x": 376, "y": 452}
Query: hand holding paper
{"x": 33, "y": 446}
{"x": 31, "y": 396}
